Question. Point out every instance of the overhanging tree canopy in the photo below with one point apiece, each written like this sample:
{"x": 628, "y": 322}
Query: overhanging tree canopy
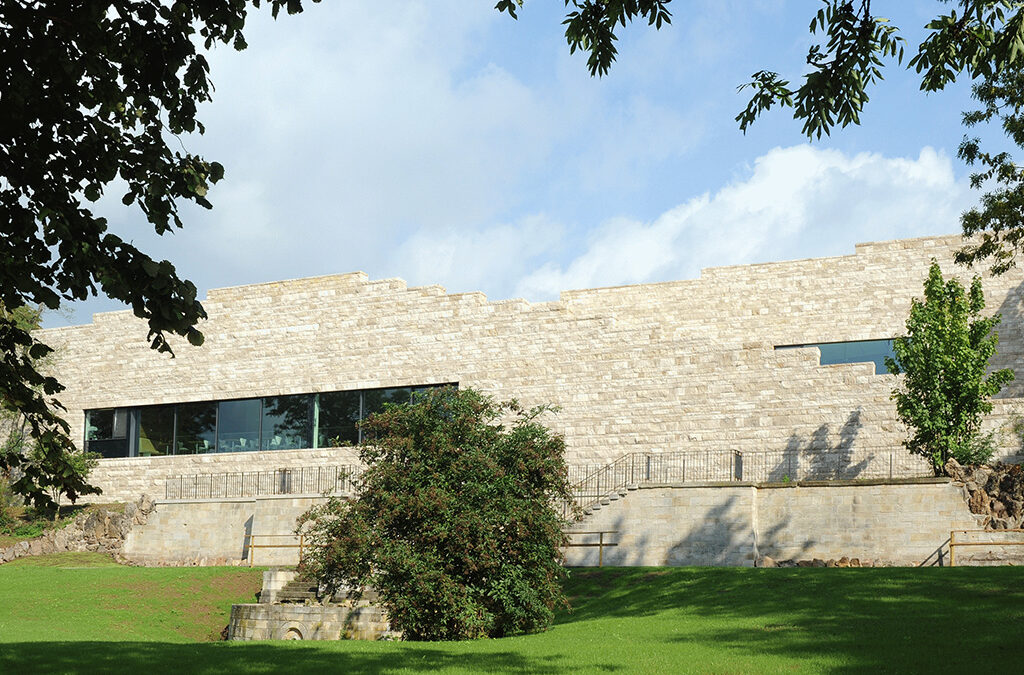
{"x": 980, "y": 39}
{"x": 97, "y": 91}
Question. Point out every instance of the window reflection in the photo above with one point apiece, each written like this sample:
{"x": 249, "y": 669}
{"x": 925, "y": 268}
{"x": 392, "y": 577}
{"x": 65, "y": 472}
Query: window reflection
{"x": 106, "y": 432}
{"x": 858, "y": 351}
{"x": 271, "y": 423}
{"x": 197, "y": 428}
{"x": 238, "y": 425}
{"x": 338, "y": 419}
{"x": 287, "y": 421}
{"x": 156, "y": 430}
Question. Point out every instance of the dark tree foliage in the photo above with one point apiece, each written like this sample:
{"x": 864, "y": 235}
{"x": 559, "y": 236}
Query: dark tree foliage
{"x": 92, "y": 91}
{"x": 41, "y": 468}
{"x": 998, "y": 224}
{"x": 95, "y": 93}
{"x": 980, "y": 39}
{"x": 590, "y": 25}
{"x": 946, "y": 387}
{"x": 455, "y": 524}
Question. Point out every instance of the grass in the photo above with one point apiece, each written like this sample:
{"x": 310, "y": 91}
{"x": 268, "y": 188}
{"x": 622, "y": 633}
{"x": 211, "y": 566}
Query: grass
{"x": 83, "y": 614}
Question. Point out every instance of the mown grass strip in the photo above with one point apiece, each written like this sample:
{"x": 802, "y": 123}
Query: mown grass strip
{"x": 714, "y": 620}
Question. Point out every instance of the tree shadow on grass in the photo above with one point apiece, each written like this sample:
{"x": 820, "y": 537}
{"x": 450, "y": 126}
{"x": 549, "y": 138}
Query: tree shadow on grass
{"x": 263, "y": 657}
{"x": 856, "y": 620}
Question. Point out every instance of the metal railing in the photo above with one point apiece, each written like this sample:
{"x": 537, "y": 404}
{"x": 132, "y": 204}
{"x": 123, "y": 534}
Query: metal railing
{"x": 304, "y": 480}
{"x": 782, "y": 466}
{"x": 590, "y": 483}
{"x": 718, "y": 466}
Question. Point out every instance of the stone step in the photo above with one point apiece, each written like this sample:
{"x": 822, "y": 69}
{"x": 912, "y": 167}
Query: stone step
{"x": 297, "y": 596}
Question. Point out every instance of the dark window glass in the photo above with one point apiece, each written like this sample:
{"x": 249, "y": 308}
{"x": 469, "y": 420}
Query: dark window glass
{"x": 106, "y": 432}
{"x": 287, "y": 421}
{"x": 860, "y": 351}
{"x": 374, "y": 399}
{"x": 418, "y": 391}
{"x": 339, "y": 416}
{"x": 197, "y": 428}
{"x": 156, "y": 430}
{"x": 238, "y": 425}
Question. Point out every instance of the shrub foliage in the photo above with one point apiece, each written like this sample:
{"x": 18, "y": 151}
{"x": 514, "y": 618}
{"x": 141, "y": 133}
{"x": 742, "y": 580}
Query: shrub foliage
{"x": 457, "y": 523}
{"x": 944, "y": 358}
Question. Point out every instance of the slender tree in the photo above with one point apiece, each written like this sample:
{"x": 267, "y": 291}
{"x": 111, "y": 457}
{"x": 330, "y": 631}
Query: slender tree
{"x": 946, "y": 385}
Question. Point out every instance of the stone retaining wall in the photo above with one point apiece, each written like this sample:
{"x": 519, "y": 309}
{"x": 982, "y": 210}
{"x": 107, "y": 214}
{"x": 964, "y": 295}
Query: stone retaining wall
{"x": 306, "y": 622}
{"x": 901, "y": 523}
{"x": 215, "y": 531}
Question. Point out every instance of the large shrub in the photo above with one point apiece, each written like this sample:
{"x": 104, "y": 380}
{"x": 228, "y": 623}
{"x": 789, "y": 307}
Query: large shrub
{"x": 457, "y": 523}
{"x": 946, "y": 387}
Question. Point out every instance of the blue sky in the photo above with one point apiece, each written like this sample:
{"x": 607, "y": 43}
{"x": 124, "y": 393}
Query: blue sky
{"x": 444, "y": 143}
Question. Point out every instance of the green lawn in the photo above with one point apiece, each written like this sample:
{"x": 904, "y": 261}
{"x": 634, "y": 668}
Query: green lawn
{"x": 83, "y": 614}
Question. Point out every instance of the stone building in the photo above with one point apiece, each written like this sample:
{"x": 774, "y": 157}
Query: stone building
{"x": 770, "y": 371}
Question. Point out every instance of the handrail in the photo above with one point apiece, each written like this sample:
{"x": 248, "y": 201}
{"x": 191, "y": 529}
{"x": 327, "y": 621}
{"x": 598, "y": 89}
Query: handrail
{"x": 953, "y": 543}
{"x": 250, "y": 544}
{"x": 600, "y": 544}
{"x": 723, "y": 466}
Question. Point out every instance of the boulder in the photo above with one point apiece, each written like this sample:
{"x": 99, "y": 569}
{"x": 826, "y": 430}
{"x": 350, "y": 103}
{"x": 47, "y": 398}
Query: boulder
{"x": 767, "y": 561}
{"x": 843, "y": 562}
{"x": 979, "y": 502}
{"x": 955, "y": 471}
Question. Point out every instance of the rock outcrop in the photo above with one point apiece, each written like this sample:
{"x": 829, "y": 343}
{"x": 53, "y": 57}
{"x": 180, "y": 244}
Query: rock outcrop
{"x": 102, "y": 531}
{"x": 996, "y": 493}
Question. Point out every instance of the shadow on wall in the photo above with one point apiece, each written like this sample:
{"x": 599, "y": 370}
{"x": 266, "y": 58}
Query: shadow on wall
{"x": 1011, "y": 341}
{"x": 726, "y": 537}
{"x": 720, "y": 535}
{"x": 817, "y": 458}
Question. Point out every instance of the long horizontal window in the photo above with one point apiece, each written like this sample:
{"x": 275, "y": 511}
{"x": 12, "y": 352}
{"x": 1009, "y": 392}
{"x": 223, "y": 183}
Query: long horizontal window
{"x": 239, "y": 425}
{"x": 860, "y": 351}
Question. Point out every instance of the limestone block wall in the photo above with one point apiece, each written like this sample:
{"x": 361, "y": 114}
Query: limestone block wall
{"x": 215, "y": 531}
{"x": 654, "y": 367}
{"x": 896, "y": 523}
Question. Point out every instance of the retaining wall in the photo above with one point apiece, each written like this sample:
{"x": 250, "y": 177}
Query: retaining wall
{"x": 215, "y": 531}
{"x": 902, "y": 523}
{"x": 894, "y": 522}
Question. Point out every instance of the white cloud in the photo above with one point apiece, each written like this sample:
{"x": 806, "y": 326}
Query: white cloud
{"x": 796, "y": 202}
{"x": 490, "y": 259}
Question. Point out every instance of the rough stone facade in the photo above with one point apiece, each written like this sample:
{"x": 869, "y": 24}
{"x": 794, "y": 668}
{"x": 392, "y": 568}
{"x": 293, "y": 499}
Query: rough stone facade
{"x": 100, "y": 531}
{"x": 656, "y": 367}
{"x": 890, "y": 523}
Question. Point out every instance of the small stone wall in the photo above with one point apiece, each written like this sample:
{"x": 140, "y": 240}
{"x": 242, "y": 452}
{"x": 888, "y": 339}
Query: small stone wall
{"x": 271, "y": 620}
{"x": 102, "y": 531}
{"x": 306, "y": 622}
